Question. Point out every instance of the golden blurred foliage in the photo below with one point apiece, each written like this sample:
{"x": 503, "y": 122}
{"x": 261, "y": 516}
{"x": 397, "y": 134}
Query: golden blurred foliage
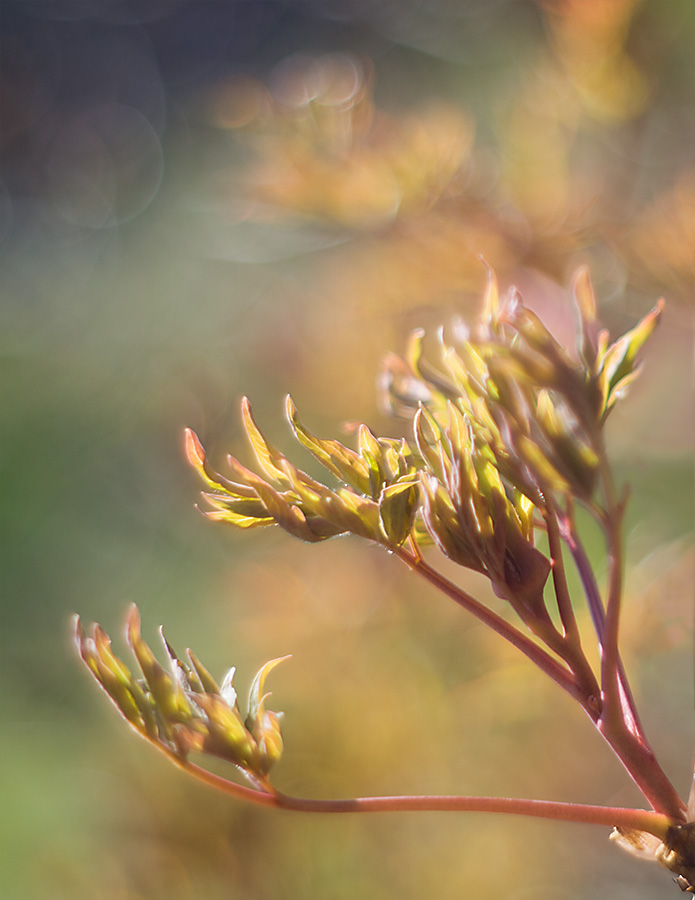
{"x": 408, "y": 201}
{"x": 326, "y": 152}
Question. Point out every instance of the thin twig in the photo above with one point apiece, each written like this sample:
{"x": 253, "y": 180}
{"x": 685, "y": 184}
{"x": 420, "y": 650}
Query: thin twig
{"x": 638, "y": 819}
{"x": 598, "y": 617}
{"x": 548, "y": 664}
{"x": 562, "y": 594}
{"x": 573, "y": 653}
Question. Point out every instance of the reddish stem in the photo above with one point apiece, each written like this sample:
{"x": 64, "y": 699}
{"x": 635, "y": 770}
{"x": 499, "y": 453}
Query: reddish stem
{"x": 630, "y": 747}
{"x": 637, "y": 819}
{"x": 548, "y": 664}
{"x": 619, "y": 723}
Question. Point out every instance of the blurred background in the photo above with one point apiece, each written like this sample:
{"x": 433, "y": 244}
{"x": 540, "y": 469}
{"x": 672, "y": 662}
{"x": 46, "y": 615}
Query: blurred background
{"x": 200, "y": 200}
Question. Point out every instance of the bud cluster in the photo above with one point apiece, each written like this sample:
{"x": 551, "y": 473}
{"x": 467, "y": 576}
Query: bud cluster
{"x": 181, "y": 708}
{"x": 507, "y": 425}
{"x": 376, "y": 500}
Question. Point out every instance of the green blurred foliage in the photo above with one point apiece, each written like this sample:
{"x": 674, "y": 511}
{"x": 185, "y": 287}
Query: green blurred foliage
{"x": 508, "y": 136}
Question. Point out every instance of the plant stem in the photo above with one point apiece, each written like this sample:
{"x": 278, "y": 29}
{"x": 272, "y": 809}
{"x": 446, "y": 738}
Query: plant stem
{"x": 638, "y": 819}
{"x": 564, "y": 601}
{"x": 572, "y": 651}
{"x": 586, "y": 574}
{"x": 619, "y": 723}
{"x": 618, "y": 704}
{"x": 644, "y": 769}
{"x": 629, "y": 745}
{"x": 598, "y": 616}
{"x": 548, "y": 664}
{"x": 614, "y": 711}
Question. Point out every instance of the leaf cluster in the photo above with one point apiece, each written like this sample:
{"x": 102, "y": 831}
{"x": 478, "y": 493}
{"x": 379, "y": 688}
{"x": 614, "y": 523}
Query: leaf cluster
{"x": 506, "y": 426}
{"x": 181, "y": 708}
